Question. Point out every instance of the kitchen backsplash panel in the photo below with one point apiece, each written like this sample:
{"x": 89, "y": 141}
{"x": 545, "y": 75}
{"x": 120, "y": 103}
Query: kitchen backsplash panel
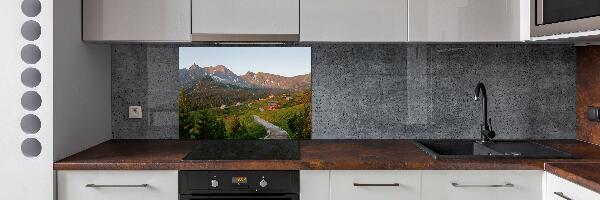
{"x": 588, "y": 80}
{"x": 382, "y": 91}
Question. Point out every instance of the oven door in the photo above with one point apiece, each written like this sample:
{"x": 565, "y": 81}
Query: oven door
{"x": 551, "y": 17}
{"x": 240, "y": 197}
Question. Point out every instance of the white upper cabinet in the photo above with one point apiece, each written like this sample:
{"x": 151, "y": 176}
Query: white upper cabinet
{"x": 307, "y": 20}
{"x": 136, "y": 20}
{"x": 354, "y": 20}
{"x": 468, "y": 20}
{"x": 245, "y": 20}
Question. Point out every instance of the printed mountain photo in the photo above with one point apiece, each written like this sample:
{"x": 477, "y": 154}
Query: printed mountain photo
{"x": 244, "y": 93}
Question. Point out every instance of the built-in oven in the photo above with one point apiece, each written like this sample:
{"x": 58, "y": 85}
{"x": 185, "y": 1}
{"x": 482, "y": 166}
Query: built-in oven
{"x": 238, "y": 185}
{"x": 552, "y": 17}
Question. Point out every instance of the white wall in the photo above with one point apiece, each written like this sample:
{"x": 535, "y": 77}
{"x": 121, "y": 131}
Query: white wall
{"x": 77, "y": 74}
{"x": 82, "y": 86}
{"x": 23, "y": 177}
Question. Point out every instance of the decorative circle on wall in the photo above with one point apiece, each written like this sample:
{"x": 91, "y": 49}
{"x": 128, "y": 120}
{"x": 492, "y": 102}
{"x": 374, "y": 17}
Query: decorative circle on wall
{"x": 31, "y": 77}
{"x": 31, "y": 124}
{"x": 31, "y": 54}
{"x": 31, "y": 30}
{"x": 31, "y": 147}
{"x": 31, "y": 100}
{"x": 31, "y": 8}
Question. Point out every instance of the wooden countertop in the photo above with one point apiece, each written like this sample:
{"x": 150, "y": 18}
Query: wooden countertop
{"x": 331, "y": 155}
{"x": 584, "y": 174}
{"x": 315, "y": 155}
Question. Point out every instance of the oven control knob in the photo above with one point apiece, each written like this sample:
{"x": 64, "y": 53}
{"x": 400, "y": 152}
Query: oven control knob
{"x": 214, "y": 183}
{"x": 263, "y": 183}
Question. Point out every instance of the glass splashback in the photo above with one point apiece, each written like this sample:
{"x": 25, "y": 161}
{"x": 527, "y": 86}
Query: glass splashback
{"x": 244, "y": 93}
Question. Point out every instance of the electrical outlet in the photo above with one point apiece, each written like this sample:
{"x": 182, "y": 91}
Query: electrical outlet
{"x": 135, "y": 112}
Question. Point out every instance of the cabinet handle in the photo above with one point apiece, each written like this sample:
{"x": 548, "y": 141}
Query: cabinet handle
{"x": 376, "y": 184}
{"x": 115, "y": 186}
{"x": 562, "y": 195}
{"x": 469, "y": 186}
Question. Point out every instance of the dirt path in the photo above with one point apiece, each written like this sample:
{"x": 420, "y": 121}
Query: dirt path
{"x": 273, "y": 132}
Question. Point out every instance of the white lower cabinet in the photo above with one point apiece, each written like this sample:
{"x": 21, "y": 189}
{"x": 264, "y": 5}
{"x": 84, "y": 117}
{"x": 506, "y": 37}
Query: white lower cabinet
{"x": 341, "y": 185}
{"x": 117, "y": 185}
{"x": 375, "y": 185}
{"x": 482, "y": 185}
{"x": 560, "y": 189}
{"x": 314, "y": 184}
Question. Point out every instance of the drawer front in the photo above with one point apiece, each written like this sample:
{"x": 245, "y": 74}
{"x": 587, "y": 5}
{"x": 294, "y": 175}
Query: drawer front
{"x": 482, "y": 185}
{"x": 117, "y": 185}
{"x": 375, "y": 185}
{"x": 560, "y": 189}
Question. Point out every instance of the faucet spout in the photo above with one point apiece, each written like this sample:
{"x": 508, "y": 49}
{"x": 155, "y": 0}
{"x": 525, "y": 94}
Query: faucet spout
{"x": 480, "y": 94}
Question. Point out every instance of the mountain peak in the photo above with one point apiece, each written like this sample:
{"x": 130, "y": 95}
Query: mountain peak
{"x": 249, "y": 73}
{"x": 267, "y": 80}
{"x": 218, "y": 69}
{"x": 194, "y": 67}
{"x": 250, "y": 79}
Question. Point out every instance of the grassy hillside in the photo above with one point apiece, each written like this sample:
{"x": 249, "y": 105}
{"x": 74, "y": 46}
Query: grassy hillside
{"x": 208, "y": 93}
{"x": 234, "y": 120}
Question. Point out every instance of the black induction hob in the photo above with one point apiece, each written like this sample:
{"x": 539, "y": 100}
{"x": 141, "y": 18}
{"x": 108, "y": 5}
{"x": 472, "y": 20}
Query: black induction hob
{"x": 245, "y": 150}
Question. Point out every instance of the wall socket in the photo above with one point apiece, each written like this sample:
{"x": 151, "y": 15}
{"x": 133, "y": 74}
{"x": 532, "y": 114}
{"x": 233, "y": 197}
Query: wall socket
{"x": 135, "y": 112}
{"x": 593, "y": 114}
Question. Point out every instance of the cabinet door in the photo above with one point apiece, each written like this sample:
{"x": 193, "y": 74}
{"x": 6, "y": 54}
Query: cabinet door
{"x": 482, "y": 185}
{"x": 560, "y": 189}
{"x": 117, "y": 185}
{"x": 314, "y": 185}
{"x": 375, "y": 185}
{"x": 354, "y": 20}
{"x": 233, "y": 20}
{"x": 468, "y": 21}
{"x": 136, "y": 20}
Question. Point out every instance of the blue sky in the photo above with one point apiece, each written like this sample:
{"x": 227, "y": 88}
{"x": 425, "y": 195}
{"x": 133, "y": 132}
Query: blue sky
{"x": 285, "y": 61}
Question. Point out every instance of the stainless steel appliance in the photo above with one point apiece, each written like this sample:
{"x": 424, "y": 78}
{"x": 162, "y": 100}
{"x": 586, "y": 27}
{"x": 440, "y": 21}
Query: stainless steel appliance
{"x": 552, "y": 17}
{"x": 238, "y": 185}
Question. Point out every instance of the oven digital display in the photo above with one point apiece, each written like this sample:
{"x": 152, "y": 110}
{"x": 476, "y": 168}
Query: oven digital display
{"x": 239, "y": 180}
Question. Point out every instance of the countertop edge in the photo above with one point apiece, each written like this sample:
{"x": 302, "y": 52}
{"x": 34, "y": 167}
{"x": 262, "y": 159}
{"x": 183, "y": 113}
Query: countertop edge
{"x": 400, "y": 154}
{"x": 572, "y": 177}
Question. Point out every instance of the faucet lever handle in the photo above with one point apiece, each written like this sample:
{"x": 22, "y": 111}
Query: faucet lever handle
{"x": 492, "y": 133}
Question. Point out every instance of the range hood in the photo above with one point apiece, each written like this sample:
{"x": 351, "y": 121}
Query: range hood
{"x": 245, "y": 20}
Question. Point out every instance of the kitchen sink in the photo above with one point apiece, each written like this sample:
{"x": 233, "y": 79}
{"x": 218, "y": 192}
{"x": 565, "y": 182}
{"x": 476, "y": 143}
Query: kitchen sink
{"x": 471, "y": 149}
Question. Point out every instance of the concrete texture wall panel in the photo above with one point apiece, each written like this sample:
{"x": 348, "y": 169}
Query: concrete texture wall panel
{"x": 384, "y": 91}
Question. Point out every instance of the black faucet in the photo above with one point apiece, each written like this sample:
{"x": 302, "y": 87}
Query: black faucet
{"x": 487, "y": 134}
